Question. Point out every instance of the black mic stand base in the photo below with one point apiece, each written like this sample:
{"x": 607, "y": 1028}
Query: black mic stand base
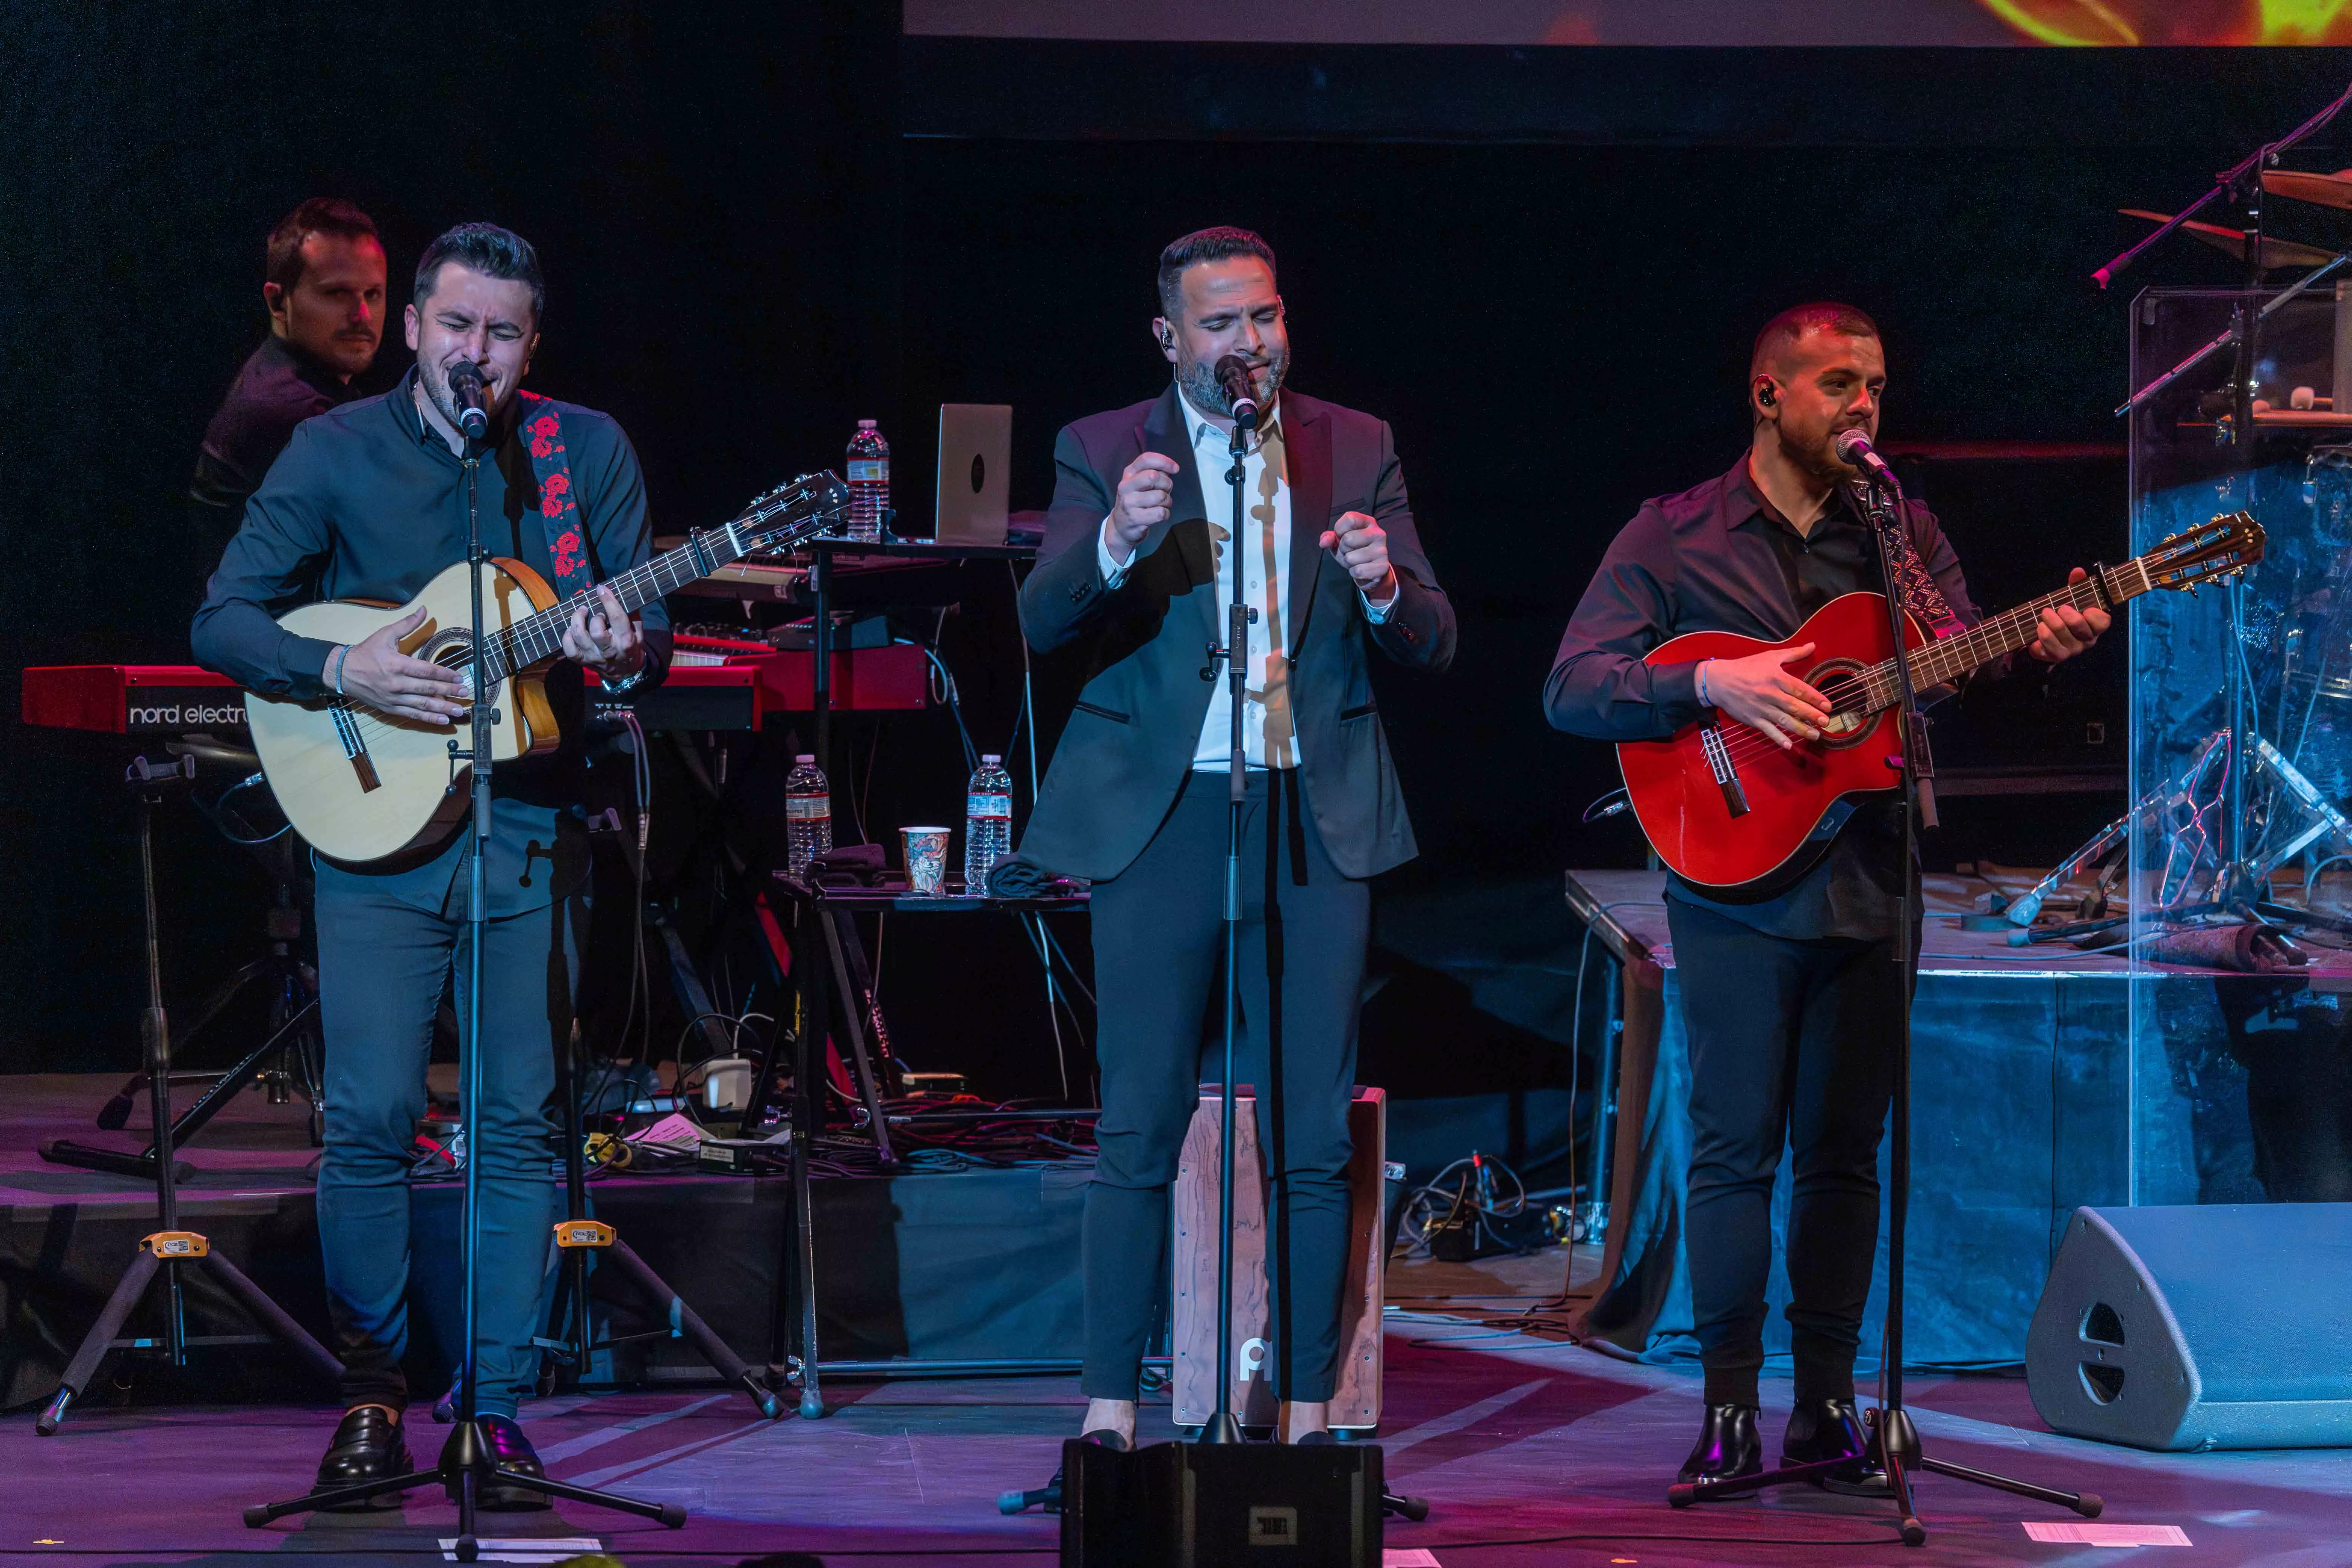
{"x": 1895, "y": 1448}
{"x": 465, "y": 1470}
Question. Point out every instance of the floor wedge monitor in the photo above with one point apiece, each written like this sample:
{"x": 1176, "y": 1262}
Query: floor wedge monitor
{"x": 2217, "y": 1326}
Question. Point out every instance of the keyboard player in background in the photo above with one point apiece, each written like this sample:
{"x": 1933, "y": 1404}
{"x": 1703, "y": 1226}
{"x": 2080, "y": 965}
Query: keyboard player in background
{"x": 324, "y": 286}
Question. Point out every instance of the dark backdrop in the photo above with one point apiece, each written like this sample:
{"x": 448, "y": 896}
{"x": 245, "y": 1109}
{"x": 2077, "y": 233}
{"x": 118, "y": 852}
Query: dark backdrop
{"x": 1543, "y": 266}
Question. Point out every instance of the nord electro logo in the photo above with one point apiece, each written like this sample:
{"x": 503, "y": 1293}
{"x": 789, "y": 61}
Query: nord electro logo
{"x": 211, "y": 709}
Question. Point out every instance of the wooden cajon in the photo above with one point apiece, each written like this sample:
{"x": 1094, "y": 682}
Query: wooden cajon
{"x": 1355, "y": 1407}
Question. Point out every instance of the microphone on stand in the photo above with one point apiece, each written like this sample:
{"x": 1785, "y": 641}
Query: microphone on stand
{"x": 1854, "y": 450}
{"x": 467, "y": 390}
{"x": 1232, "y": 374}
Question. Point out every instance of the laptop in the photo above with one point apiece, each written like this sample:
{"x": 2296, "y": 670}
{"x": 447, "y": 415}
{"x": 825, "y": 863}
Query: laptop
{"x": 975, "y": 470}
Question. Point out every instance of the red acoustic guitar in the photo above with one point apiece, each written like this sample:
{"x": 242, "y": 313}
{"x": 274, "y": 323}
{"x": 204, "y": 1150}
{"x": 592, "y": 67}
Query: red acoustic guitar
{"x": 1731, "y": 812}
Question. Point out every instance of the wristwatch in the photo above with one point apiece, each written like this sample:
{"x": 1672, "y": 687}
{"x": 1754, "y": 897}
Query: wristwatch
{"x": 632, "y": 681}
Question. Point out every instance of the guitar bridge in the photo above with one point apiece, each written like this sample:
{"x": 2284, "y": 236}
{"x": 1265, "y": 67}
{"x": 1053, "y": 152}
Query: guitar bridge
{"x": 1718, "y": 763}
{"x": 347, "y": 731}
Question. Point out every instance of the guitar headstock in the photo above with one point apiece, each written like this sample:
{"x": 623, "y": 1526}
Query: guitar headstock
{"x": 802, "y": 509}
{"x": 2223, "y": 548}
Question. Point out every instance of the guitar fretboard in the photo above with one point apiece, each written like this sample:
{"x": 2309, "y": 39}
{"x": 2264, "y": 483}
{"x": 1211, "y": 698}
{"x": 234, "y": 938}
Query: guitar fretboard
{"x": 1941, "y": 662}
{"x": 539, "y": 637}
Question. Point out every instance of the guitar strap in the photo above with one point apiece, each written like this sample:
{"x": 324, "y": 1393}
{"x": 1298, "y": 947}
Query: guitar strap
{"x": 558, "y": 512}
{"x": 1922, "y": 600}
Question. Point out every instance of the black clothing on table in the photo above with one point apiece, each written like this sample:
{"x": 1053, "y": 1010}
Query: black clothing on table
{"x": 278, "y": 388}
{"x": 1718, "y": 558}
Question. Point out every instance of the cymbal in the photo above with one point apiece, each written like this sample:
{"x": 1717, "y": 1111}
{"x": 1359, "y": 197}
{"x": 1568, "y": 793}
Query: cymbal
{"x": 2325, "y": 189}
{"x": 2276, "y": 253}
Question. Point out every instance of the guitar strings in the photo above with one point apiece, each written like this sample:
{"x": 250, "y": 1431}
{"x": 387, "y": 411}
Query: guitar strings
{"x": 1983, "y": 642}
{"x": 513, "y": 648}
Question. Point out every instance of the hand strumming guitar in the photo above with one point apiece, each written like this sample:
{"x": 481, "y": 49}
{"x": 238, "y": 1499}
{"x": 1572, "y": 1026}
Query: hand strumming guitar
{"x": 1760, "y": 693}
{"x": 388, "y": 680}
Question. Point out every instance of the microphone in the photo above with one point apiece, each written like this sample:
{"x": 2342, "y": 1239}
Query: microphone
{"x": 1854, "y": 450}
{"x": 465, "y": 388}
{"x": 1233, "y": 374}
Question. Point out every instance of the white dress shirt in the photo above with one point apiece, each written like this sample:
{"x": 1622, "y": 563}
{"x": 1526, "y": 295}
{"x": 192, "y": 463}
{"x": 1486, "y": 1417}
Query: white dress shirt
{"x": 1270, "y": 737}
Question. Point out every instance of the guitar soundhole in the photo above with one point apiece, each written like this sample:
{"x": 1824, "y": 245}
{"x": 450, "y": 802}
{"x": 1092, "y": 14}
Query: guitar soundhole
{"x": 1840, "y": 681}
{"x": 452, "y": 648}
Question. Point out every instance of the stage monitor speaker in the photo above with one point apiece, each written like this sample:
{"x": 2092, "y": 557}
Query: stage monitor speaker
{"x": 2216, "y": 1326}
{"x": 1194, "y": 1505}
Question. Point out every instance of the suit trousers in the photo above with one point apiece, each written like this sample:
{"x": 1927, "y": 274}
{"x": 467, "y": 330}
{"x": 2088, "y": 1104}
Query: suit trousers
{"x": 1159, "y": 938}
{"x": 383, "y": 964}
{"x": 1791, "y": 1043}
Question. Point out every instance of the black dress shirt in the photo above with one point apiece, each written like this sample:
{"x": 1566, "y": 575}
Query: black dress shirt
{"x": 368, "y": 502}
{"x": 1718, "y": 558}
{"x": 278, "y": 388}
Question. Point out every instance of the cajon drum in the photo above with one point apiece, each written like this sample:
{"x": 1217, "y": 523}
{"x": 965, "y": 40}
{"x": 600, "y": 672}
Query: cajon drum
{"x": 1356, "y": 1406}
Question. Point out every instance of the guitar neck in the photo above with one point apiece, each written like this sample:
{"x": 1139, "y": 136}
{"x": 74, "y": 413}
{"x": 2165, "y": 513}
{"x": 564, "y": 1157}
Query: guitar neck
{"x": 1944, "y": 661}
{"x": 539, "y": 637}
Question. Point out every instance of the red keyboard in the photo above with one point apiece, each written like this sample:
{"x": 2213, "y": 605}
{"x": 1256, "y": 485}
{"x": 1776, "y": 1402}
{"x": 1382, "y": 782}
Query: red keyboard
{"x": 180, "y": 698}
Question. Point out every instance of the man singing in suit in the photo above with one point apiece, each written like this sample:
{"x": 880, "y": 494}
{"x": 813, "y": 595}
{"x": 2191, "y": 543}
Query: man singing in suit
{"x": 1135, "y": 571}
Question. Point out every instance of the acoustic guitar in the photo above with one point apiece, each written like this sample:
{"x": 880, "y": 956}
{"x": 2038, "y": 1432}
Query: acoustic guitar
{"x": 1731, "y": 812}
{"x": 361, "y": 784}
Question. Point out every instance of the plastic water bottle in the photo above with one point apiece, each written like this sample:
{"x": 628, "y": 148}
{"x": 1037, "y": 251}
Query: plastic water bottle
{"x": 869, "y": 482}
{"x": 987, "y": 822}
{"x": 808, "y": 814}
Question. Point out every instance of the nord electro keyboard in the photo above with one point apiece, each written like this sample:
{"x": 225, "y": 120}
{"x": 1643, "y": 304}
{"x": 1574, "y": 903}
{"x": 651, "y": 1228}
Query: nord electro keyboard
{"x": 738, "y": 694}
{"x": 131, "y": 699}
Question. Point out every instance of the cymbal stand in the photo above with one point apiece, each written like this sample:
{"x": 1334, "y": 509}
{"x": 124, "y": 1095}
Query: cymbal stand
{"x": 1893, "y": 1440}
{"x": 170, "y": 1248}
{"x": 466, "y": 1464}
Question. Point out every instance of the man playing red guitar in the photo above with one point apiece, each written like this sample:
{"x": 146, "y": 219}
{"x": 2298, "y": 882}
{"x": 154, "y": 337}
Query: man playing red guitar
{"x": 1786, "y": 997}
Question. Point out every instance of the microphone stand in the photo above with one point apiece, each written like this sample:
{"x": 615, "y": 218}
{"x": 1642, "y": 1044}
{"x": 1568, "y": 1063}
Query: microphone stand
{"x": 1223, "y": 1425}
{"x": 466, "y": 1464}
{"x": 1893, "y": 1441}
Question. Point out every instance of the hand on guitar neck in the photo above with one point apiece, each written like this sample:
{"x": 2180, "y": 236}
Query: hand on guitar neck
{"x": 1760, "y": 692}
{"x": 377, "y": 673}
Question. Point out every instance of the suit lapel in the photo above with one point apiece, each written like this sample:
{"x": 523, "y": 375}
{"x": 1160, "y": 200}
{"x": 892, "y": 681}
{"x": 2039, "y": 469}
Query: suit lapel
{"x": 1306, "y": 446}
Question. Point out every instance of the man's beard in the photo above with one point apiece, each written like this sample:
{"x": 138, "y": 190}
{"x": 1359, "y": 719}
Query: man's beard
{"x": 1818, "y": 459}
{"x": 1198, "y": 380}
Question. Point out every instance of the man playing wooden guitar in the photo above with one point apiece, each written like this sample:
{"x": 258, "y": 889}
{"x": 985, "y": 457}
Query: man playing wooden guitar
{"x": 1787, "y": 985}
{"x": 369, "y": 502}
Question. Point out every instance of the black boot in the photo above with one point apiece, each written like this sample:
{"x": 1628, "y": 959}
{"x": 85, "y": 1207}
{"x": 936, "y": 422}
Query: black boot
{"x": 1727, "y": 1445}
{"x": 367, "y": 1447}
{"x": 512, "y": 1454}
{"x": 1822, "y": 1429}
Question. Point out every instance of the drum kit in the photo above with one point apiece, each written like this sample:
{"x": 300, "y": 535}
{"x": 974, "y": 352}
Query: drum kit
{"x": 2263, "y": 791}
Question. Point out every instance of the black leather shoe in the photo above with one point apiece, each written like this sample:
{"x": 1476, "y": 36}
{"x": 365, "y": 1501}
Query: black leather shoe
{"x": 367, "y": 1447}
{"x": 1822, "y": 1429}
{"x": 1728, "y": 1446}
{"x": 512, "y": 1454}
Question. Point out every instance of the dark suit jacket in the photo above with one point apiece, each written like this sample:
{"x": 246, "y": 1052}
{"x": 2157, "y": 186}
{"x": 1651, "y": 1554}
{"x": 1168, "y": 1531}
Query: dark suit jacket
{"x": 1124, "y": 756}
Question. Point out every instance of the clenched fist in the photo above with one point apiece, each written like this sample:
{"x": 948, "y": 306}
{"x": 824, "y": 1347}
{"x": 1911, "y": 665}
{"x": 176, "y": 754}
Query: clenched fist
{"x": 1360, "y": 544}
{"x": 1147, "y": 493}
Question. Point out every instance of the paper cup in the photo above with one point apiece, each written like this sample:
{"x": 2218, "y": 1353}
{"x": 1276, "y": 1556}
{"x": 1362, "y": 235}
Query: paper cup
{"x": 927, "y": 860}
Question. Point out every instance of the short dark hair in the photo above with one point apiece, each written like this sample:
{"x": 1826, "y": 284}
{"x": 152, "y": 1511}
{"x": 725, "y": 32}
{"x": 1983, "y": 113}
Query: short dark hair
{"x": 1782, "y": 330}
{"x": 486, "y": 248}
{"x": 1203, "y": 244}
{"x": 319, "y": 215}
